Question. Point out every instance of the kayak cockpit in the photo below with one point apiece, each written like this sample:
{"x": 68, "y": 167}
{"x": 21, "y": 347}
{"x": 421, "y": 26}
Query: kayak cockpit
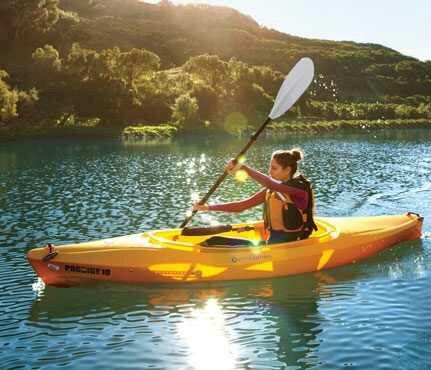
{"x": 253, "y": 232}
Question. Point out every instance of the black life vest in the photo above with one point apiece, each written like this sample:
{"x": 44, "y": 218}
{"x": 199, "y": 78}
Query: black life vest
{"x": 281, "y": 214}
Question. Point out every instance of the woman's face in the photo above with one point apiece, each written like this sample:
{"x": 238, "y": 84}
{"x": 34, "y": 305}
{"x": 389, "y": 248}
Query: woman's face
{"x": 277, "y": 172}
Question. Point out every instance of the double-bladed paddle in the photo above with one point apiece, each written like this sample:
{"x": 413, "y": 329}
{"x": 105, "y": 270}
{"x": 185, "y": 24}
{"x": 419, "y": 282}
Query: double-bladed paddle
{"x": 294, "y": 85}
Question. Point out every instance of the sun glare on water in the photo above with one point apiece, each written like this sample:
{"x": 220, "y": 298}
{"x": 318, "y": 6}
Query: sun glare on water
{"x": 194, "y": 196}
{"x": 38, "y": 287}
{"x": 207, "y": 338}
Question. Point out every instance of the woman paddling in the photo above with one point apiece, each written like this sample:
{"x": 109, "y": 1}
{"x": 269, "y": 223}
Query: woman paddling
{"x": 288, "y": 200}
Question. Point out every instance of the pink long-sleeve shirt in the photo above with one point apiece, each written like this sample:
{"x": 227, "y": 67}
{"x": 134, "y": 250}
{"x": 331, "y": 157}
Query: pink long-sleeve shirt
{"x": 298, "y": 196}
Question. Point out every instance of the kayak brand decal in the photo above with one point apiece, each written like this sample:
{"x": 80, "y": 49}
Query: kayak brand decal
{"x": 87, "y": 270}
{"x": 53, "y": 267}
{"x": 252, "y": 258}
{"x": 196, "y": 273}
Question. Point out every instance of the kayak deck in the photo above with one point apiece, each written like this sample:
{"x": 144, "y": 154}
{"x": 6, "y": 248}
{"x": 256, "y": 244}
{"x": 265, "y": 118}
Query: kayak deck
{"x": 166, "y": 256}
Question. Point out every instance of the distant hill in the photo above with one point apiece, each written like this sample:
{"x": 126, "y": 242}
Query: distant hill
{"x": 176, "y": 33}
{"x": 116, "y": 62}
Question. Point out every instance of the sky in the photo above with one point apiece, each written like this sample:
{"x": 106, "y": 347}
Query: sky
{"x": 398, "y": 24}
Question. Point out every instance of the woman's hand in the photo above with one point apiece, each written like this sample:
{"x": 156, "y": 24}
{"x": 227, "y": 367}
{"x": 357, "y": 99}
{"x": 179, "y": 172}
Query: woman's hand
{"x": 233, "y": 166}
{"x": 200, "y": 207}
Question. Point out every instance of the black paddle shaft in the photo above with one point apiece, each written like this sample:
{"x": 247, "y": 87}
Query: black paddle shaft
{"x": 221, "y": 178}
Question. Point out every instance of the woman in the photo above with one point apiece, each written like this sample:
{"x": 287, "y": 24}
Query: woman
{"x": 288, "y": 200}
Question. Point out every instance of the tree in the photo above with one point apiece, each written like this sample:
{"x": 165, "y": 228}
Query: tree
{"x": 8, "y": 99}
{"x": 12, "y": 101}
{"x": 82, "y": 62}
{"x": 207, "y": 99}
{"x": 209, "y": 68}
{"x": 136, "y": 62}
{"x": 48, "y": 58}
{"x": 184, "y": 111}
{"x": 25, "y": 20}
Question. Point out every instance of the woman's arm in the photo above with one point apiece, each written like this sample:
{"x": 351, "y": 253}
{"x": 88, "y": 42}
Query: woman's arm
{"x": 240, "y": 205}
{"x": 270, "y": 183}
{"x": 300, "y": 195}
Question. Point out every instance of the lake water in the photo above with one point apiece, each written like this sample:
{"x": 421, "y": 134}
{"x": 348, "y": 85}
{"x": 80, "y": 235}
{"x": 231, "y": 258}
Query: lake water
{"x": 371, "y": 315}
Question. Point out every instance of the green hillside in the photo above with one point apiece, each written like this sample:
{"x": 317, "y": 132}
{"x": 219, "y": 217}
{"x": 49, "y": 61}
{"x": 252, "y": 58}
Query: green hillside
{"x": 176, "y": 33}
{"x": 119, "y": 62}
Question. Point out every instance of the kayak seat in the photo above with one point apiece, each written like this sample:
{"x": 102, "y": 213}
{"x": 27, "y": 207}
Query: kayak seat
{"x": 222, "y": 241}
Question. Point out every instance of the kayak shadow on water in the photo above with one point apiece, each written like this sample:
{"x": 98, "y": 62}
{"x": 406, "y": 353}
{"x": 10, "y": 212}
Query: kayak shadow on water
{"x": 280, "y": 317}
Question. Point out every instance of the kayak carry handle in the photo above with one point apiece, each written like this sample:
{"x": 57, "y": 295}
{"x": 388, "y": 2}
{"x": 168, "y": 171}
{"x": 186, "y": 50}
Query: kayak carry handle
{"x": 420, "y": 218}
{"x": 413, "y": 213}
{"x": 51, "y": 253}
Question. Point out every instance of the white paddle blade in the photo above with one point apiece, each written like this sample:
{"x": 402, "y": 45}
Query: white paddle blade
{"x": 293, "y": 86}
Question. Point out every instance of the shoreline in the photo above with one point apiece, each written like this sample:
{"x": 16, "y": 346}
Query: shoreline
{"x": 153, "y": 133}
{"x": 324, "y": 126}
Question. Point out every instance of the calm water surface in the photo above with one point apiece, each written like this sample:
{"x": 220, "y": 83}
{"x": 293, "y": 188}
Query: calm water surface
{"x": 372, "y": 315}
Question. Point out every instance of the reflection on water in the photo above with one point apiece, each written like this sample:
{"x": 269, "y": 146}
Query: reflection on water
{"x": 207, "y": 338}
{"x": 225, "y": 327}
{"x": 368, "y": 315}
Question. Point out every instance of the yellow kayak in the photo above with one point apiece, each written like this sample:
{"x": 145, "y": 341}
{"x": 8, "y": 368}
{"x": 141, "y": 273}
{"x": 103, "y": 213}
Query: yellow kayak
{"x": 166, "y": 256}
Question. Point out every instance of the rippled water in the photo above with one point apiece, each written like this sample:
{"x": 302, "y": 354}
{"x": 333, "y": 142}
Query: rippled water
{"x": 373, "y": 314}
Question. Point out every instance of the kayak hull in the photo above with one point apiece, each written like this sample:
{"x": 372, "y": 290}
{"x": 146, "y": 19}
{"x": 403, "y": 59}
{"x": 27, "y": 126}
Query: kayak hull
{"x": 164, "y": 256}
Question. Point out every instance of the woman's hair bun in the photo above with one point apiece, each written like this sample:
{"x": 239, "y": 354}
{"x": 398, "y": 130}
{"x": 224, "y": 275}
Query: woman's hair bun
{"x": 288, "y": 158}
{"x": 297, "y": 154}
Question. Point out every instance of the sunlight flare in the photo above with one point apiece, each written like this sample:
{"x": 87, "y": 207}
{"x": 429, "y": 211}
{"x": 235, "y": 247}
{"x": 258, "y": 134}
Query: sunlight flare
{"x": 241, "y": 176}
{"x": 207, "y": 338}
